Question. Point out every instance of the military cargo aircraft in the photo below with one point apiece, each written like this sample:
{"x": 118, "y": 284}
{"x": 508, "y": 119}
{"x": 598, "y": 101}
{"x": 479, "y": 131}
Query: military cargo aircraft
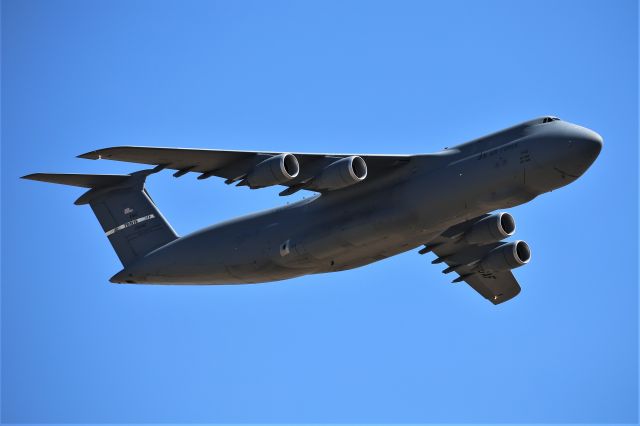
{"x": 367, "y": 208}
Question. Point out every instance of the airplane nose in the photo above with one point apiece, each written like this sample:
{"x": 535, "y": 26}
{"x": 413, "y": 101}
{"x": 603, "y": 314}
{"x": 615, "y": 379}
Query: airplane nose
{"x": 587, "y": 145}
{"x": 592, "y": 143}
{"x": 584, "y": 147}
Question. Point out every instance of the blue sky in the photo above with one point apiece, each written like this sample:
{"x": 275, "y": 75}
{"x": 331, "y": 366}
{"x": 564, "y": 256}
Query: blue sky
{"x": 391, "y": 342}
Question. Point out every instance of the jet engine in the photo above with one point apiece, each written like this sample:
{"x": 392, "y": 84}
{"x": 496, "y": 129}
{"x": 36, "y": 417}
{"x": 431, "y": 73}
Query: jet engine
{"x": 273, "y": 171}
{"x": 342, "y": 173}
{"x": 491, "y": 229}
{"x": 507, "y": 256}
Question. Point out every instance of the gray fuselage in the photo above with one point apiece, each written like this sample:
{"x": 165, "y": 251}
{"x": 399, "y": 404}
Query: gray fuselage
{"x": 394, "y": 212}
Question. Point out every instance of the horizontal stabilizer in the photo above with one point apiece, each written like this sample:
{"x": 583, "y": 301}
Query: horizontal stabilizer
{"x": 129, "y": 218}
{"x": 76, "y": 179}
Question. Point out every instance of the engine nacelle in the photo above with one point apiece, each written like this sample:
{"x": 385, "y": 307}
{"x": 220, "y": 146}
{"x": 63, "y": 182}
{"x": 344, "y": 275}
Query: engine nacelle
{"x": 273, "y": 171}
{"x": 342, "y": 173}
{"x": 507, "y": 256}
{"x": 491, "y": 229}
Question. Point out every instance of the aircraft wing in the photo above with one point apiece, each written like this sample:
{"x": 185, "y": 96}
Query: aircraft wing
{"x": 462, "y": 258}
{"x": 234, "y": 166}
{"x": 497, "y": 288}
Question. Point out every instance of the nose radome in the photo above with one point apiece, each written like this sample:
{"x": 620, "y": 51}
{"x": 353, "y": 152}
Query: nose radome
{"x": 593, "y": 142}
{"x": 584, "y": 147}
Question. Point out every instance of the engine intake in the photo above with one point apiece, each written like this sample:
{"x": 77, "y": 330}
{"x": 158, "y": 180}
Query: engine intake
{"x": 342, "y": 173}
{"x": 507, "y": 256}
{"x": 275, "y": 170}
{"x": 491, "y": 229}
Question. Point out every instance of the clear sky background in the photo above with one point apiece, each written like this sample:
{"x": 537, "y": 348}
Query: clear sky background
{"x": 390, "y": 342}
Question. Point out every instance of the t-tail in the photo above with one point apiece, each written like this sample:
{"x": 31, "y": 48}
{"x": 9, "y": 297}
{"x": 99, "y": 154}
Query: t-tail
{"x": 129, "y": 218}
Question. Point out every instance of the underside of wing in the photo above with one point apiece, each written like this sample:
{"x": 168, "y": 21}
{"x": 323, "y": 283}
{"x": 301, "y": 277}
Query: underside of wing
{"x": 316, "y": 172}
{"x": 497, "y": 287}
{"x": 473, "y": 250}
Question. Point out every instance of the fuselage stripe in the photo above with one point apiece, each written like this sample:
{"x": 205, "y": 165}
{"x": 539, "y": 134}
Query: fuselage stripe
{"x": 130, "y": 223}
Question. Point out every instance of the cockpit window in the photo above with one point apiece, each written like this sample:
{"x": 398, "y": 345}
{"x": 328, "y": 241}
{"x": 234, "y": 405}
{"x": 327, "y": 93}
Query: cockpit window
{"x": 550, "y": 119}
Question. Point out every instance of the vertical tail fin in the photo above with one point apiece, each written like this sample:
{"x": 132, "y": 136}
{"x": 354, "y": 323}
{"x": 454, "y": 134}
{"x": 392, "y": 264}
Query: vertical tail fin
{"x": 129, "y": 218}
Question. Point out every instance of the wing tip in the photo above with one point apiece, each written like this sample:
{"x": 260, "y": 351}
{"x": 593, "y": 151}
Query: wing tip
{"x": 91, "y": 155}
{"x": 30, "y": 176}
{"x": 98, "y": 154}
{"x": 501, "y": 298}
